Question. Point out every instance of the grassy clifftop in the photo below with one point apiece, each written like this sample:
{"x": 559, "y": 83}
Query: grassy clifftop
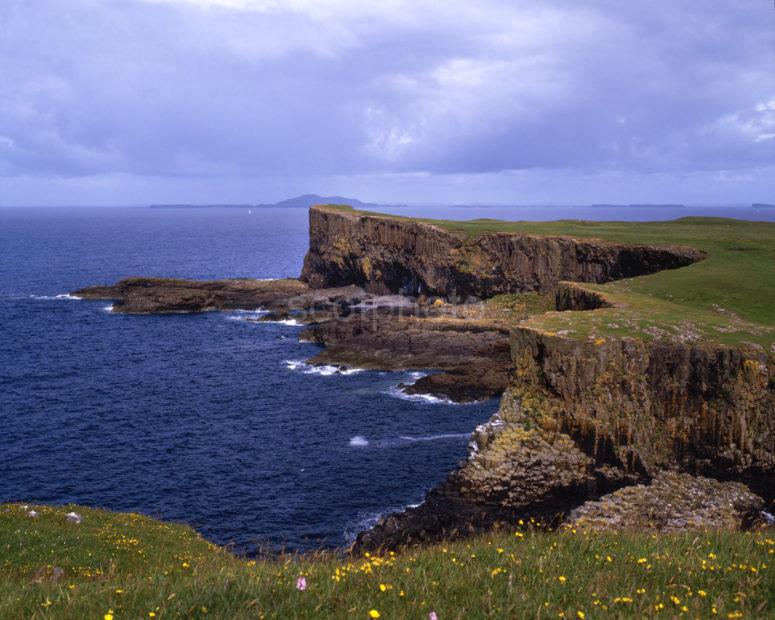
{"x": 728, "y": 298}
{"x": 113, "y": 565}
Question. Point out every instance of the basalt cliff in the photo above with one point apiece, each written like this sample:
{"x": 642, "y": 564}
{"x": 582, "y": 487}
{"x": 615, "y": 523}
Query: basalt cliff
{"x": 606, "y": 431}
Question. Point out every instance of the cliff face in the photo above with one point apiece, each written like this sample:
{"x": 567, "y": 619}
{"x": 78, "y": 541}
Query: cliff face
{"x": 392, "y": 255}
{"x": 581, "y": 419}
{"x": 639, "y": 407}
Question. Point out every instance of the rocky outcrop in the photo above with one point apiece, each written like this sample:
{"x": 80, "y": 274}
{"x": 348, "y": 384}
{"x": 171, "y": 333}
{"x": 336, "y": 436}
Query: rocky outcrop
{"x": 475, "y": 356}
{"x": 386, "y": 254}
{"x": 673, "y": 502}
{"x": 167, "y": 295}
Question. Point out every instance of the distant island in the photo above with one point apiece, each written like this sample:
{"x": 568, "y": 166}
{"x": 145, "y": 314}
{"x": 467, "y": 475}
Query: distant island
{"x": 300, "y": 202}
{"x": 637, "y": 206}
{"x": 762, "y": 205}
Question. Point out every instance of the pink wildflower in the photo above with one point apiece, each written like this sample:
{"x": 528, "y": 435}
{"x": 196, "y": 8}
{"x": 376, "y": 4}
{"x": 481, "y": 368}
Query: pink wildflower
{"x": 301, "y": 584}
{"x": 433, "y": 616}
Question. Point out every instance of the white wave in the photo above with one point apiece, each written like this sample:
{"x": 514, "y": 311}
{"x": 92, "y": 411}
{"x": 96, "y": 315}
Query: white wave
{"x": 67, "y": 296}
{"x": 359, "y": 441}
{"x": 325, "y": 370}
{"x": 435, "y": 437}
{"x": 428, "y": 399}
{"x": 292, "y": 322}
{"x": 246, "y": 315}
{"x": 108, "y": 308}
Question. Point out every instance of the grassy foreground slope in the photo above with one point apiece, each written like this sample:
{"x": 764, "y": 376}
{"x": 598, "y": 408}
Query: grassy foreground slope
{"x": 728, "y": 298}
{"x": 115, "y": 566}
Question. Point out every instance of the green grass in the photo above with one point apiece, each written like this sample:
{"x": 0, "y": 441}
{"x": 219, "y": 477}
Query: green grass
{"x": 131, "y": 566}
{"x": 728, "y": 298}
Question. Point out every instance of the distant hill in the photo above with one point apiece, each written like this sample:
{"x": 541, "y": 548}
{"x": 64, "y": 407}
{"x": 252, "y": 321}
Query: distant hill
{"x": 300, "y": 202}
{"x": 762, "y": 205}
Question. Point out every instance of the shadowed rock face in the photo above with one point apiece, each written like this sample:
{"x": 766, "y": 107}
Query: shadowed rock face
{"x": 390, "y": 255}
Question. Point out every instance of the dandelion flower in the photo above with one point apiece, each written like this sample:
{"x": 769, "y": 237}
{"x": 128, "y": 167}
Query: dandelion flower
{"x": 373, "y": 613}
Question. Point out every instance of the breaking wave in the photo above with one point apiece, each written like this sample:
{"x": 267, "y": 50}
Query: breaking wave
{"x": 325, "y": 370}
{"x": 60, "y": 296}
{"x": 359, "y": 441}
{"x": 429, "y": 399}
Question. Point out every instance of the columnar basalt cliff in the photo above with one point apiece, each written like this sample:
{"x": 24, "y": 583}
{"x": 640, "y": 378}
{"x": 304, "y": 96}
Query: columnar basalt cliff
{"x": 394, "y": 255}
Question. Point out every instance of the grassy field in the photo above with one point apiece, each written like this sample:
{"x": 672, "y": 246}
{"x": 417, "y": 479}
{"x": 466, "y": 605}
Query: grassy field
{"x": 115, "y": 566}
{"x": 728, "y": 298}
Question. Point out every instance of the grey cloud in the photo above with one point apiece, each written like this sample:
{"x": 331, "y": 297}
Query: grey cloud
{"x": 216, "y": 88}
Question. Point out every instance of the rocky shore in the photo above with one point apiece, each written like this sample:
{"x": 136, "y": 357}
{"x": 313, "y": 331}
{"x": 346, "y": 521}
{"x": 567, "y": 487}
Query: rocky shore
{"x": 610, "y": 432}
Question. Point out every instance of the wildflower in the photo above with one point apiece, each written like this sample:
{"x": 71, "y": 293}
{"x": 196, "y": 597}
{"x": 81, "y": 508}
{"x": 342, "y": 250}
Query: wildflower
{"x": 562, "y": 579}
{"x": 735, "y": 614}
{"x": 702, "y": 593}
{"x": 301, "y": 584}
{"x": 382, "y": 587}
{"x": 675, "y": 599}
{"x": 580, "y": 615}
{"x": 642, "y": 560}
{"x": 373, "y": 613}
{"x": 151, "y": 614}
{"x": 433, "y": 616}
{"x": 109, "y": 615}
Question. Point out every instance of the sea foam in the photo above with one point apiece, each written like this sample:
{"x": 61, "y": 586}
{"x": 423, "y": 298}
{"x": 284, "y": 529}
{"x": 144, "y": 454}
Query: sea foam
{"x": 325, "y": 370}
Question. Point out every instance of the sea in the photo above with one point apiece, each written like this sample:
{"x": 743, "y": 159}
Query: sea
{"x": 211, "y": 419}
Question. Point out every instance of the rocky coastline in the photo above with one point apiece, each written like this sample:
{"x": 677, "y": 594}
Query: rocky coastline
{"x": 605, "y": 433}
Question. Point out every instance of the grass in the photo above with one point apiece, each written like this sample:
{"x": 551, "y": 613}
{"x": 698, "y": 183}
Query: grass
{"x": 726, "y": 299}
{"x": 130, "y": 566}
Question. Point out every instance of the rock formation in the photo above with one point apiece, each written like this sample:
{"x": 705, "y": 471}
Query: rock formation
{"x": 392, "y": 255}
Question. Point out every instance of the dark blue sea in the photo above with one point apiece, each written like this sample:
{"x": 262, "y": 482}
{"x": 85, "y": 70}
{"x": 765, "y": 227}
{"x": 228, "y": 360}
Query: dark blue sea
{"x": 206, "y": 419}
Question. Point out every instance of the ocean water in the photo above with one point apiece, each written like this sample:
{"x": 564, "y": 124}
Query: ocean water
{"x": 207, "y": 419}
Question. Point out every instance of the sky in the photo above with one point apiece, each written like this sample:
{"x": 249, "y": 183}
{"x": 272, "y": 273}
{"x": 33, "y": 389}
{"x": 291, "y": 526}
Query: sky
{"x": 111, "y": 102}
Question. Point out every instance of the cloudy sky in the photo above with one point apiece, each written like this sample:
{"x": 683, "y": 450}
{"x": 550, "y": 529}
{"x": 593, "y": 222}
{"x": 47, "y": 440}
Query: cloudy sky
{"x": 513, "y": 101}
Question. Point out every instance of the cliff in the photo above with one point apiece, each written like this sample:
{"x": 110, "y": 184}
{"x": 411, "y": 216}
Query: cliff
{"x": 387, "y": 254}
{"x": 582, "y": 419}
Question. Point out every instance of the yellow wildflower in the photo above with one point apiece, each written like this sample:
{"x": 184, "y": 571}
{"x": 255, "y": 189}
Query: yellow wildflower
{"x": 580, "y": 615}
{"x": 373, "y": 613}
{"x": 562, "y": 578}
{"x": 109, "y": 615}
